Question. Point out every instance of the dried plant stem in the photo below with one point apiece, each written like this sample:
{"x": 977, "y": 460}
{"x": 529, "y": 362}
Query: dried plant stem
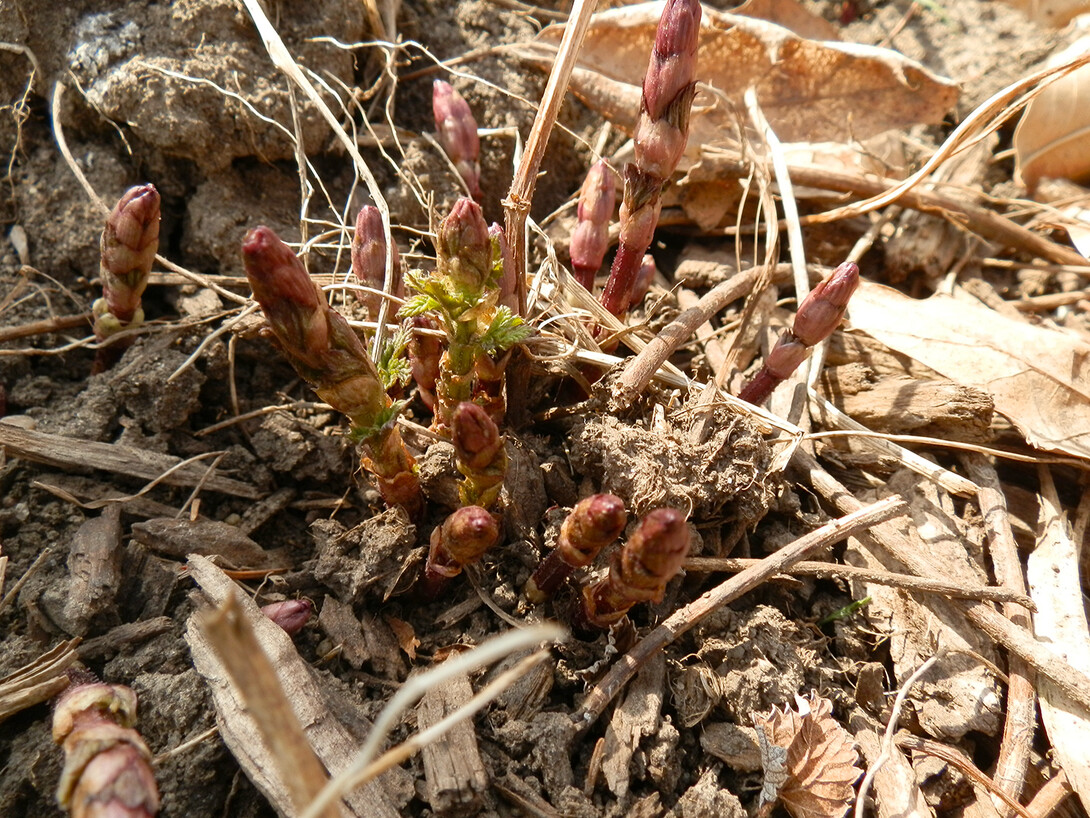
{"x": 45, "y": 326}
{"x": 1050, "y": 796}
{"x": 255, "y": 679}
{"x": 955, "y": 758}
{"x": 985, "y": 118}
{"x": 887, "y": 739}
{"x": 886, "y": 539}
{"x": 521, "y": 194}
{"x": 829, "y": 570}
{"x": 682, "y": 620}
{"x": 1021, "y": 709}
{"x": 978, "y": 220}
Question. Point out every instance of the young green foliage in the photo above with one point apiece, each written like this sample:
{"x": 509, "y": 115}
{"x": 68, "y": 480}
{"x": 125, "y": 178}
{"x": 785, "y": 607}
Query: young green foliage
{"x": 463, "y": 294}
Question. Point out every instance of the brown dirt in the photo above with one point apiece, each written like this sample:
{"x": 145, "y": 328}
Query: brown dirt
{"x": 220, "y": 170}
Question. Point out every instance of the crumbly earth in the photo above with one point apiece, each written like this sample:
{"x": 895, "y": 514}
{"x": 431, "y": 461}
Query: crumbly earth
{"x": 166, "y": 93}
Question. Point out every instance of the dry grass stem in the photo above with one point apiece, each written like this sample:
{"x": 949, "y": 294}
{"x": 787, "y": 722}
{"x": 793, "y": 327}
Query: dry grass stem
{"x": 887, "y": 739}
{"x": 521, "y": 195}
{"x": 987, "y": 117}
{"x": 414, "y": 688}
{"x": 830, "y": 570}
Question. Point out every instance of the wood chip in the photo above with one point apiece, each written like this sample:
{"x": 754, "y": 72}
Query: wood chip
{"x": 455, "y": 775}
{"x": 64, "y": 452}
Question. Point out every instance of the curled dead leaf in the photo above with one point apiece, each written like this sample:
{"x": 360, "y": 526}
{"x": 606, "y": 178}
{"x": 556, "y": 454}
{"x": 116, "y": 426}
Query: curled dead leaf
{"x": 406, "y": 636}
{"x": 1052, "y": 139}
{"x": 809, "y": 760}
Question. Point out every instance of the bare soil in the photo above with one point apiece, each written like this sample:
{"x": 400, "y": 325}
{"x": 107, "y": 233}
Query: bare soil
{"x": 139, "y": 107}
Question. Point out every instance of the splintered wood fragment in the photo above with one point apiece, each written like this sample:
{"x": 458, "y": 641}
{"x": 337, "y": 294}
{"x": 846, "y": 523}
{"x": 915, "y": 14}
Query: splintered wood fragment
{"x": 903, "y": 405}
{"x": 249, "y": 671}
{"x": 130, "y": 633}
{"x": 332, "y": 741}
{"x": 830, "y": 570}
{"x": 209, "y": 538}
{"x": 341, "y": 625}
{"x": 638, "y": 716}
{"x": 94, "y": 568}
{"x": 455, "y": 775}
{"x": 66, "y": 452}
{"x": 38, "y": 681}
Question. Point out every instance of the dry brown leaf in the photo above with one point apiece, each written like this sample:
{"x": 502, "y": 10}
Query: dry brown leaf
{"x": 808, "y": 90}
{"x": 810, "y": 761}
{"x": 1055, "y": 13}
{"x": 1053, "y": 577}
{"x": 406, "y": 636}
{"x": 1053, "y": 137}
{"x": 789, "y": 14}
{"x": 1038, "y": 377}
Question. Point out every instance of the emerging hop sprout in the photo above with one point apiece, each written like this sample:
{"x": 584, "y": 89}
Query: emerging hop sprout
{"x": 328, "y": 355}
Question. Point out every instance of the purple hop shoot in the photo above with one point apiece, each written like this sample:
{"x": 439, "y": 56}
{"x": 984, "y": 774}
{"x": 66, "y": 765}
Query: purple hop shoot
{"x": 107, "y": 766}
{"x": 818, "y": 315}
{"x": 461, "y": 540}
{"x": 369, "y": 259}
{"x": 590, "y": 240}
{"x": 594, "y": 523}
{"x": 639, "y": 572}
{"x": 457, "y": 133}
{"x": 662, "y": 130}
{"x": 328, "y": 355}
{"x": 479, "y": 454}
{"x": 291, "y": 615}
{"x": 129, "y": 243}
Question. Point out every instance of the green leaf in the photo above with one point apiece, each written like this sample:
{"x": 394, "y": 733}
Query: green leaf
{"x": 393, "y": 366}
{"x": 506, "y": 330}
{"x": 417, "y": 305}
{"x": 383, "y": 419}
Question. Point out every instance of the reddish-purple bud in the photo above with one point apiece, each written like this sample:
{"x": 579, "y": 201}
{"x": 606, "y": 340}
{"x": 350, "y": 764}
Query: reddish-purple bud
{"x": 107, "y": 766}
{"x": 461, "y": 540}
{"x": 129, "y": 243}
{"x": 820, "y": 312}
{"x": 590, "y": 240}
{"x": 291, "y": 614}
{"x": 465, "y": 249}
{"x": 477, "y": 439}
{"x": 673, "y": 61}
{"x": 457, "y": 133}
{"x": 652, "y": 557}
{"x": 369, "y": 258}
{"x": 291, "y": 301}
{"x": 594, "y": 523}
